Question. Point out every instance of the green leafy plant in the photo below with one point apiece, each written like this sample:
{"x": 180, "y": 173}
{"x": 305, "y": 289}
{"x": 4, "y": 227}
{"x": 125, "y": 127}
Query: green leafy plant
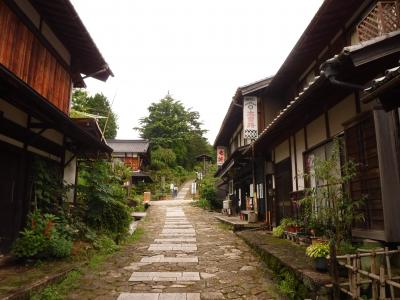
{"x": 59, "y": 246}
{"x": 42, "y": 238}
{"x": 202, "y": 203}
{"x": 278, "y": 231}
{"x": 287, "y": 222}
{"x": 105, "y": 245}
{"x": 318, "y": 250}
{"x": 103, "y": 199}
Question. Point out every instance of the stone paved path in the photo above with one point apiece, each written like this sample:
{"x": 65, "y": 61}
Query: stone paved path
{"x": 185, "y": 254}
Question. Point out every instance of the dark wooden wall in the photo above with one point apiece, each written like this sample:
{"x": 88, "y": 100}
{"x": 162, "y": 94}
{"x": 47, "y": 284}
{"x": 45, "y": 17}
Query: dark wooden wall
{"x": 24, "y": 55}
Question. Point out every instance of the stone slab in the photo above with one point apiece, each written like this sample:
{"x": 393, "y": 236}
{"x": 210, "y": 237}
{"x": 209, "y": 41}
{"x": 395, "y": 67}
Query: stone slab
{"x": 165, "y": 276}
{"x": 178, "y": 230}
{"x": 176, "y": 240}
{"x": 163, "y": 259}
{"x": 173, "y": 247}
{"x": 159, "y": 296}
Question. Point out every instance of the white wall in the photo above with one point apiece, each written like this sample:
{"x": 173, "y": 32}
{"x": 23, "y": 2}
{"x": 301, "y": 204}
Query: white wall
{"x": 316, "y": 131}
{"x": 293, "y": 162}
{"x": 340, "y": 113}
{"x": 13, "y": 114}
{"x": 29, "y": 11}
{"x": 282, "y": 151}
{"x": 300, "y": 148}
{"x": 53, "y": 136}
{"x": 69, "y": 174}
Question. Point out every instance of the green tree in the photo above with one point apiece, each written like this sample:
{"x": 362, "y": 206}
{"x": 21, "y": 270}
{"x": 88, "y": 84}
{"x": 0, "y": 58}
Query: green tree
{"x": 96, "y": 105}
{"x": 170, "y": 125}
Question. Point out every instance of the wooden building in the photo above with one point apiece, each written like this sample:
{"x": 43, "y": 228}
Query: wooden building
{"x": 44, "y": 50}
{"x": 133, "y": 153}
{"x": 317, "y": 95}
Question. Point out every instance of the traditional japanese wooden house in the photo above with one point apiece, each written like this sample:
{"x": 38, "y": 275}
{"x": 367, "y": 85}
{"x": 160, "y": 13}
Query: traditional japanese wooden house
{"x": 237, "y": 170}
{"x": 133, "y": 153}
{"x": 44, "y": 50}
{"x": 319, "y": 95}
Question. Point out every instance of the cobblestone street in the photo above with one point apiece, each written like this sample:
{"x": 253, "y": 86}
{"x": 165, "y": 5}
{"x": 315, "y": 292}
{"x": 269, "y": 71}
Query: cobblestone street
{"x": 184, "y": 254}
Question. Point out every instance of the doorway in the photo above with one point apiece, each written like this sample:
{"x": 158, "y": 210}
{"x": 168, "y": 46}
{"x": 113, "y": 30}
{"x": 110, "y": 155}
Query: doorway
{"x": 283, "y": 187}
{"x": 10, "y": 191}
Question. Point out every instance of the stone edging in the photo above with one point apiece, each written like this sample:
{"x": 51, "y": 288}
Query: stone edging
{"x": 315, "y": 289}
{"x": 25, "y": 292}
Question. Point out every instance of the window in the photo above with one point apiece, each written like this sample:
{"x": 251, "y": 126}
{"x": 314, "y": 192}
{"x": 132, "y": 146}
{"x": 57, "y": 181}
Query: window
{"x": 320, "y": 153}
{"x": 382, "y": 19}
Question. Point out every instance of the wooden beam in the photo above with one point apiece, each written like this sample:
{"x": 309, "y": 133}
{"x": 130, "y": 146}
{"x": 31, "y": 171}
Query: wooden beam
{"x": 28, "y": 137}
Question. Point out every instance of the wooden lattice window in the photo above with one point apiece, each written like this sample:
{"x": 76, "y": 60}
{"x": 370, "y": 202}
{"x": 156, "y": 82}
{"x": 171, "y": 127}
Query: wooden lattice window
{"x": 383, "y": 18}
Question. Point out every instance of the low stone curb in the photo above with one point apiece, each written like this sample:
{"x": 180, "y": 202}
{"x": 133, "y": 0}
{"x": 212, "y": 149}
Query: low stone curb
{"x": 274, "y": 258}
{"x": 25, "y": 292}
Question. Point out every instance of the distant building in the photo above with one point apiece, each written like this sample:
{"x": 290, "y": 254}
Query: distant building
{"x": 133, "y": 153}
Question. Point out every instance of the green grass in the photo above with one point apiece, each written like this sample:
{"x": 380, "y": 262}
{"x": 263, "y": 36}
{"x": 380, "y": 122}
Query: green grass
{"x": 57, "y": 291}
{"x": 225, "y": 226}
{"x": 60, "y": 290}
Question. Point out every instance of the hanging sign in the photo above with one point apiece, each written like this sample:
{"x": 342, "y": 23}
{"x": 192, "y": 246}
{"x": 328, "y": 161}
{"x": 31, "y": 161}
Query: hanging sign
{"x": 220, "y": 156}
{"x": 250, "y": 121}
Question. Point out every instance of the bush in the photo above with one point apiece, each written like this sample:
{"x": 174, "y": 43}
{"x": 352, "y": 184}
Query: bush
{"x": 208, "y": 190}
{"x": 202, "y": 203}
{"x": 318, "y": 250}
{"x": 60, "y": 247}
{"x": 105, "y": 245}
{"x": 278, "y": 231}
{"x": 42, "y": 238}
{"x": 103, "y": 199}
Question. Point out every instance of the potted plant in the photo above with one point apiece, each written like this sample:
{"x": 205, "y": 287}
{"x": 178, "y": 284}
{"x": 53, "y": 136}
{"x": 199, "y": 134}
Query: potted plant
{"x": 278, "y": 231}
{"x": 319, "y": 252}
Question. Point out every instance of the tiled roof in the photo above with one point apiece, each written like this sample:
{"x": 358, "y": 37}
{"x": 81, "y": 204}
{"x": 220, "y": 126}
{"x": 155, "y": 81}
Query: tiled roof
{"x": 128, "y": 146}
{"x": 380, "y": 81}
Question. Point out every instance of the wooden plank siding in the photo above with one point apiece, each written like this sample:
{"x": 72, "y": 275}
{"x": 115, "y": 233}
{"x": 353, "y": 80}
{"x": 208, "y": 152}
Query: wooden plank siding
{"x": 23, "y": 54}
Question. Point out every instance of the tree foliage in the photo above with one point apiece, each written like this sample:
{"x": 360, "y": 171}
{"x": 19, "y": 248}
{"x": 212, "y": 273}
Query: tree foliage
{"x": 96, "y": 105}
{"x": 170, "y": 125}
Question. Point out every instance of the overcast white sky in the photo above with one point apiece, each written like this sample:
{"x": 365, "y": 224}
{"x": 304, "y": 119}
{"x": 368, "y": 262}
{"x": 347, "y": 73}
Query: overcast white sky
{"x": 199, "y": 51}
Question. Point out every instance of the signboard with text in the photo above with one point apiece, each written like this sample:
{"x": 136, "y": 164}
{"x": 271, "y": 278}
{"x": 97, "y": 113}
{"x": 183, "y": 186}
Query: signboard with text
{"x": 220, "y": 156}
{"x": 250, "y": 120}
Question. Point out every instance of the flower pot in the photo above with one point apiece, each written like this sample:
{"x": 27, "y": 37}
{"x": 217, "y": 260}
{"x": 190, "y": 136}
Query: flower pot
{"x": 321, "y": 264}
{"x": 316, "y": 240}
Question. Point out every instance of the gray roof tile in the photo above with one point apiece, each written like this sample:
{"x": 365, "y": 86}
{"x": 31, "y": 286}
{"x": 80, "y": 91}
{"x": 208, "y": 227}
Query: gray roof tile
{"x": 128, "y": 146}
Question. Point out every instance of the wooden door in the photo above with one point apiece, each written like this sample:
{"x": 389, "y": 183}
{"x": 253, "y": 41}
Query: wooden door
{"x": 9, "y": 197}
{"x": 283, "y": 187}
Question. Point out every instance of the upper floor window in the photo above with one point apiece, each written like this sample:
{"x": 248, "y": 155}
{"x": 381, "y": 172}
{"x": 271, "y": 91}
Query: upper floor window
{"x": 382, "y": 19}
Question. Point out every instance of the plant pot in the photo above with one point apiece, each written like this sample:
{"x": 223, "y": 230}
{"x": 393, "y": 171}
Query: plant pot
{"x": 321, "y": 264}
{"x": 316, "y": 240}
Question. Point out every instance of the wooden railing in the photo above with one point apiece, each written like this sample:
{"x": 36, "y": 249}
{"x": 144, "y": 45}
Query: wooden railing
{"x": 381, "y": 279}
